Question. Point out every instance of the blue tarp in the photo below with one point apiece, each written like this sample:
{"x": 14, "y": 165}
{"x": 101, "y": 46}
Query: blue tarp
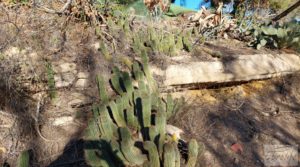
{"x": 193, "y": 4}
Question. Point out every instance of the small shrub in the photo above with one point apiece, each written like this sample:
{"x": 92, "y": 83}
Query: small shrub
{"x": 286, "y": 36}
{"x": 50, "y": 80}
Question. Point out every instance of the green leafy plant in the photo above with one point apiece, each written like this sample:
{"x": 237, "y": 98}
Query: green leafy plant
{"x": 287, "y": 36}
{"x": 130, "y": 129}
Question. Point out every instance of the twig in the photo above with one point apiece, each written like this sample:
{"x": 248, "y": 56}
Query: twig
{"x": 287, "y": 11}
{"x": 61, "y": 11}
{"x": 36, "y": 119}
{"x": 66, "y": 6}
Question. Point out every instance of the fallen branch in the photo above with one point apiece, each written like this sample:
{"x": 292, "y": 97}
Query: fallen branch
{"x": 61, "y": 11}
{"x": 287, "y": 11}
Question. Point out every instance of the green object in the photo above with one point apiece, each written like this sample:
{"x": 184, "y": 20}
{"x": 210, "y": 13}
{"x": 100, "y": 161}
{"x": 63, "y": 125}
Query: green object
{"x": 92, "y": 157}
{"x": 193, "y": 153}
{"x": 177, "y": 158}
{"x": 116, "y": 81}
{"x": 278, "y": 36}
{"x": 51, "y": 80}
{"x": 138, "y": 74}
{"x": 186, "y": 41}
{"x": 132, "y": 154}
{"x": 153, "y": 153}
{"x": 170, "y": 105}
{"x": 24, "y": 159}
{"x": 146, "y": 109}
{"x": 139, "y": 8}
{"x": 160, "y": 122}
{"x": 130, "y": 129}
{"x": 118, "y": 115}
{"x": 106, "y": 124}
{"x": 127, "y": 82}
{"x": 101, "y": 89}
{"x": 169, "y": 155}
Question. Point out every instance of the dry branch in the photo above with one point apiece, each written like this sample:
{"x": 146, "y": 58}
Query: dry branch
{"x": 287, "y": 11}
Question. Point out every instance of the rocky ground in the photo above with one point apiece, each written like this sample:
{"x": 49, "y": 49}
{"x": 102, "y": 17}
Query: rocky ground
{"x": 40, "y": 49}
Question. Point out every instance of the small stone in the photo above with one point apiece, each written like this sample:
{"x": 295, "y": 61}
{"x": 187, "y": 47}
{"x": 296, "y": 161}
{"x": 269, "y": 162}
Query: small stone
{"x": 64, "y": 80}
{"x": 96, "y": 45}
{"x": 81, "y": 83}
{"x": 83, "y": 75}
{"x": 62, "y": 121}
{"x": 12, "y": 51}
{"x": 68, "y": 77}
{"x": 67, "y": 67}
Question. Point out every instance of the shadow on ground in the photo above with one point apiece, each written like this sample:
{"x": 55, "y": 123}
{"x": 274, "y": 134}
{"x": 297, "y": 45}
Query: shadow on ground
{"x": 252, "y": 115}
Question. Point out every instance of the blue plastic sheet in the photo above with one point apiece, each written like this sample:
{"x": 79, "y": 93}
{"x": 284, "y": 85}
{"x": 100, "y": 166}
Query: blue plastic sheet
{"x": 193, "y": 4}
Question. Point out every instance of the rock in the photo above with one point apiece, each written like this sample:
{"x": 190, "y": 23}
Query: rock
{"x": 77, "y": 100}
{"x": 67, "y": 67}
{"x": 65, "y": 120}
{"x": 83, "y": 75}
{"x": 81, "y": 83}
{"x": 64, "y": 80}
{"x": 96, "y": 45}
{"x": 13, "y": 51}
{"x": 240, "y": 68}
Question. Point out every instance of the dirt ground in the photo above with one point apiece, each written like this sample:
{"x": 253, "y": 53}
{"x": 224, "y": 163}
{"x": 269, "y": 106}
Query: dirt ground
{"x": 251, "y": 114}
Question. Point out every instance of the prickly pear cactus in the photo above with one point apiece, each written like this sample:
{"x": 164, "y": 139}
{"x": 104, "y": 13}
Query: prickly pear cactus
{"x": 130, "y": 129}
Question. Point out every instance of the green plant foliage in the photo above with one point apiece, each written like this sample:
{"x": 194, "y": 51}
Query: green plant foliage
{"x": 169, "y": 155}
{"x": 286, "y": 36}
{"x": 131, "y": 128}
{"x": 193, "y": 153}
{"x": 177, "y": 158}
{"x": 186, "y": 41}
{"x": 153, "y": 156}
{"x": 50, "y": 80}
{"x": 103, "y": 49}
{"x": 23, "y": 159}
{"x": 101, "y": 88}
